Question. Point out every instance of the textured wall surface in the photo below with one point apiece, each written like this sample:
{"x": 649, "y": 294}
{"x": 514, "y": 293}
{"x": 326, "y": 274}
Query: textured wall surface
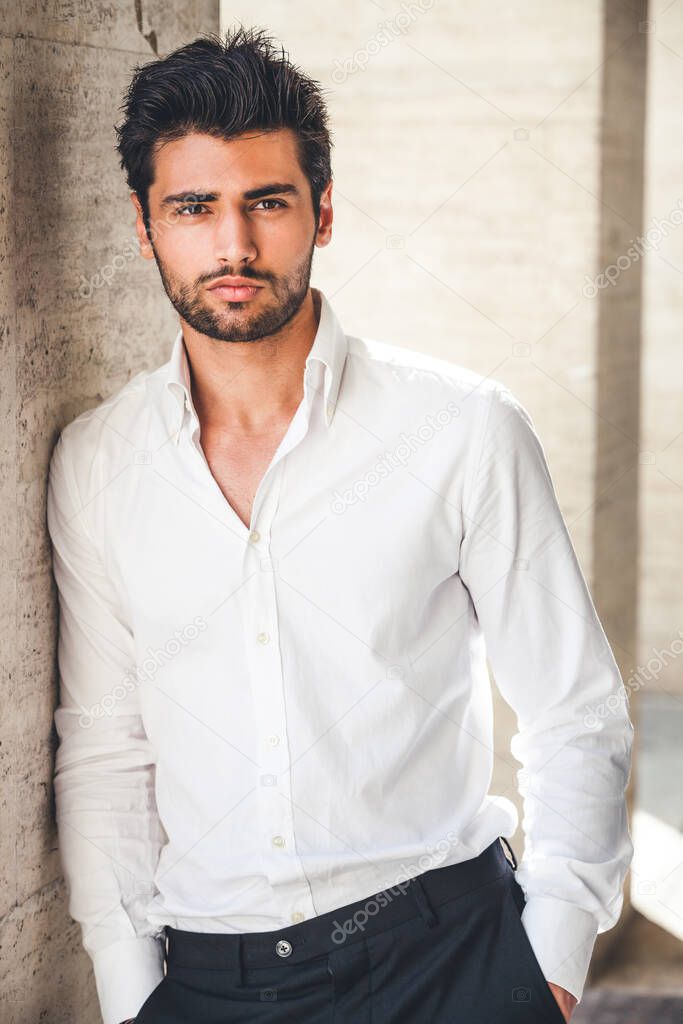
{"x": 661, "y": 619}
{"x": 67, "y": 340}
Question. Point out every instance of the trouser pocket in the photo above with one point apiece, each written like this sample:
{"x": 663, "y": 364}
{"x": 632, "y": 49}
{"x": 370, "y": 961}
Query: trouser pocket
{"x": 524, "y": 963}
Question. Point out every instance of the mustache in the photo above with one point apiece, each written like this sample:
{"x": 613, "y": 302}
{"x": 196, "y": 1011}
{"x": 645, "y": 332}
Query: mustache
{"x": 250, "y": 275}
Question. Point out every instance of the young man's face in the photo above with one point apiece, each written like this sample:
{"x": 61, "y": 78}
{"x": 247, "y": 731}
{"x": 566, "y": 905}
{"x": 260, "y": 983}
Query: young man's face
{"x": 207, "y": 223}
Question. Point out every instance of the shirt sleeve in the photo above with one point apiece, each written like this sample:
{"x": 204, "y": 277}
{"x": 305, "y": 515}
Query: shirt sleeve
{"x": 109, "y": 832}
{"x": 553, "y": 665}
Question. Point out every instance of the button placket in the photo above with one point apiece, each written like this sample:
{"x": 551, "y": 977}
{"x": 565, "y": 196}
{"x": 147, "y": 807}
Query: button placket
{"x": 273, "y": 800}
{"x": 276, "y": 821}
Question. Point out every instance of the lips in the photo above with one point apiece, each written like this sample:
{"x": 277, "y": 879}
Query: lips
{"x": 235, "y": 293}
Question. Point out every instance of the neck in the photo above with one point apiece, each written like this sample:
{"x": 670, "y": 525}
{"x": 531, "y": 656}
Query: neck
{"x": 251, "y": 386}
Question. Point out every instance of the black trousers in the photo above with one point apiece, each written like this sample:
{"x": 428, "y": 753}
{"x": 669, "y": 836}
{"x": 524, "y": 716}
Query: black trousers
{"x": 446, "y": 947}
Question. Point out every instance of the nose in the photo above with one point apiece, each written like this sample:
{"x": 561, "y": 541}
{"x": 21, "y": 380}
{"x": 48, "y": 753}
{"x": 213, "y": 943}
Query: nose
{"x": 234, "y": 241}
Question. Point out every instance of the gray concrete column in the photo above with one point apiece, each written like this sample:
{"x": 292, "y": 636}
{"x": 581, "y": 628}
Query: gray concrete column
{"x": 67, "y": 340}
{"x": 618, "y": 363}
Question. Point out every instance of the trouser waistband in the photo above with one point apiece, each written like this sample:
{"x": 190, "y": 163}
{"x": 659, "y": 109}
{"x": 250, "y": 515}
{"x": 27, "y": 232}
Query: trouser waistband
{"x": 321, "y": 935}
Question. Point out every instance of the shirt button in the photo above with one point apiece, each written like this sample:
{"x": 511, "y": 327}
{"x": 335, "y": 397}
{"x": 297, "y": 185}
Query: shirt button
{"x": 263, "y": 638}
{"x": 273, "y": 740}
{"x": 297, "y": 916}
{"x": 278, "y": 841}
{"x": 254, "y": 536}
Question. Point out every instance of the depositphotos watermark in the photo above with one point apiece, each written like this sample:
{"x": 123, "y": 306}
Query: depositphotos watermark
{"x": 635, "y": 682}
{"x": 144, "y": 672}
{"x": 390, "y": 461}
{"x": 388, "y": 31}
{"x": 358, "y": 920}
{"x": 649, "y": 240}
{"x": 108, "y": 271}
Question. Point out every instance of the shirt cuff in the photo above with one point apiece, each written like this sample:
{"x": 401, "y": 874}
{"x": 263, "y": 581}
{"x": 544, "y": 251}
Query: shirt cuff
{"x": 126, "y": 974}
{"x": 562, "y": 936}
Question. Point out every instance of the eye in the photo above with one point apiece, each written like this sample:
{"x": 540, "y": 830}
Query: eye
{"x": 278, "y": 201}
{"x": 182, "y": 210}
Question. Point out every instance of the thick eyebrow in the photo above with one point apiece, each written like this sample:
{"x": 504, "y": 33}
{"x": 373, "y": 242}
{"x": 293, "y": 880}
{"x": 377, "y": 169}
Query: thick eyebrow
{"x": 274, "y": 188}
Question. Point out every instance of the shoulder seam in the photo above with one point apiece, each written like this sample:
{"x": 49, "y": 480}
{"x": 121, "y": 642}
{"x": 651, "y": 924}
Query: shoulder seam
{"x": 74, "y": 495}
{"x": 472, "y": 476}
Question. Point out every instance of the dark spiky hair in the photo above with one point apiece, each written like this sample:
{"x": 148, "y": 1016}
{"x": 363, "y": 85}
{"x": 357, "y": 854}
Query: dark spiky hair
{"x": 222, "y": 86}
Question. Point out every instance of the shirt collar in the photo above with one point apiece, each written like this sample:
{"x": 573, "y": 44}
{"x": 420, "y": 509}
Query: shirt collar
{"x": 329, "y": 351}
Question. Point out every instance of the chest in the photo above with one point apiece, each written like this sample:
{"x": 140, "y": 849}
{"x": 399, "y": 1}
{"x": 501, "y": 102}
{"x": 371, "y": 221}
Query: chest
{"x": 238, "y": 464}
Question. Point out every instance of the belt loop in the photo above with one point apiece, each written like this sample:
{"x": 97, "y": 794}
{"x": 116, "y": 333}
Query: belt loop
{"x": 512, "y": 854}
{"x": 424, "y": 906}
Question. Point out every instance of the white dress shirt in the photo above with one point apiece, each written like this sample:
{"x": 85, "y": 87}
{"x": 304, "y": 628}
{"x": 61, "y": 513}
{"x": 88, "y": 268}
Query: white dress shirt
{"x": 258, "y": 725}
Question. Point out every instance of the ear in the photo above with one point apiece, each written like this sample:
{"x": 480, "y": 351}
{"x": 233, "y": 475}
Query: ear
{"x": 323, "y": 235}
{"x": 146, "y": 249}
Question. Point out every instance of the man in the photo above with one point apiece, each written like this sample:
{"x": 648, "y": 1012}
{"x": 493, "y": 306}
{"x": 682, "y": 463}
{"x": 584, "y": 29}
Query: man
{"x": 282, "y": 560}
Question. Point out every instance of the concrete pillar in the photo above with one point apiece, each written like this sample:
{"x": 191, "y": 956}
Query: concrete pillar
{"x": 618, "y": 349}
{"x": 658, "y": 684}
{"x": 661, "y": 620}
{"x": 67, "y": 340}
